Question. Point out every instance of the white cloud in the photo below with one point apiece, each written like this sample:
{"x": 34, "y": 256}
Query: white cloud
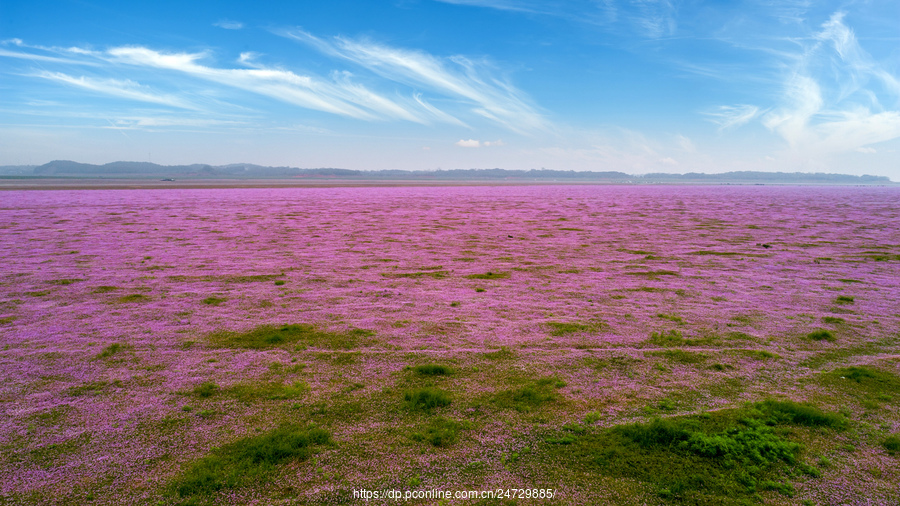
{"x": 686, "y": 144}
{"x": 459, "y": 77}
{"x": 228, "y": 24}
{"x": 472, "y": 143}
{"x": 831, "y": 111}
{"x": 668, "y": 161}
{"x": 340, "y": 96}
{"x": 118, "y": 88}
{"x": 732, "y": 116}
{"x": 868, "y": 151}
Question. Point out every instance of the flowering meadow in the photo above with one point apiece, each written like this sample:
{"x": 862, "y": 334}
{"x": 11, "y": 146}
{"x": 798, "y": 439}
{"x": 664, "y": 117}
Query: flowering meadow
{"x": 616, "y": 344}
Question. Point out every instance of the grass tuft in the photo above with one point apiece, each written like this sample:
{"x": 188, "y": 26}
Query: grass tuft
{"x": 270, "y": 336}
{"x": 433, "y": 370}
{"x": 718, "y": 457}
{"x": 563, "y": 328}
{"x": 247, "y": 461}
{"x": 892, "y": 444}
{"x": 821, "y": 335}
{"x": 441, "y": 432}
{"x": 426, "y": 399}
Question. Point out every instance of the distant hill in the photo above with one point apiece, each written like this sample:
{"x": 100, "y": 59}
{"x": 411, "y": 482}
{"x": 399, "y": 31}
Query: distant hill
{"x": 147, "y": 170}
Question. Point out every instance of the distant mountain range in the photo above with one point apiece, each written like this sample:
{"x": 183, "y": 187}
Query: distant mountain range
{"x": 147, "y": 170}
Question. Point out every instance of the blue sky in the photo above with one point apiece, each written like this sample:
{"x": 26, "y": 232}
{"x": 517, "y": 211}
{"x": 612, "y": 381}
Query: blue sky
{"x": 637, "y": 86}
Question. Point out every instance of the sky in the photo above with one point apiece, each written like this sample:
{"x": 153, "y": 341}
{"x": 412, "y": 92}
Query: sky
{"x": 635, "y": 86}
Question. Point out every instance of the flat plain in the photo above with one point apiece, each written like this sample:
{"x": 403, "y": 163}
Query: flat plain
{"x": 616, "y": 344}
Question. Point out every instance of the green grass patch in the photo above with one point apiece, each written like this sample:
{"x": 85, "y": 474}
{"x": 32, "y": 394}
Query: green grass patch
{"x": 670, "y": 317}
{"x": 653, "y": 274}
{"x": 105, "y": 289}
{"x": 91, "y": 388}
{"x": 441, "y": 432}
{"x": 504, "y": 353}
{"x": 892, "y": 444}
{"x": 563, "y": 328}
{"x": 844, "y": 299}
{"x": 271, "y": 336}
{"x": 821, "y": 335}
{"x": 65, "y": 281}
{"x": 134, "y": 297}
{"x": 213, "y": 301}
{"x": 433, "y": 370}
{"x": 253, "y": 278}
{"x": 874, "y": 380}
{"x": 205, "y": 389}
{"x": 756, "y": 354}
{"x": 7, "y": 319}
{"x": 419, "y": 274}
{"x": 832, "y": 320}
{"x": 529, "y": 397}
{"x": 426, "y": 399}
{"x": 246, "y": 462}
{"x": 111, "y": 350}
{"x": 254, "y": 391}
{"x": 718, "y": 457}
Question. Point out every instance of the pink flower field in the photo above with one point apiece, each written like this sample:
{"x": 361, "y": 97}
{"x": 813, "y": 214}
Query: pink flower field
{"x": 613, "y": 344}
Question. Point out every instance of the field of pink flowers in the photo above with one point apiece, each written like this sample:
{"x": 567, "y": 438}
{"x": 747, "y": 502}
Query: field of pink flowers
{"x": 290, "y": 346}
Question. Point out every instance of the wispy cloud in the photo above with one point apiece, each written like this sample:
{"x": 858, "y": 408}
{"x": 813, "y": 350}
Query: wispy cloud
{"x": 458, "y": 77}
{"x": 229, "y": 24}
{"x": 118, "y": 88}
{"x": 844, "y": 115}
{"x": 732, "y": 116}
{"x": 647, "y": 18}
{"x": 473, "y": 143}
{"x": 340, "y": 96}
{"x": 340, "y": 93}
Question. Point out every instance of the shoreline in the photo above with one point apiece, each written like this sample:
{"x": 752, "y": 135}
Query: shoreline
{"x": 30, "y": 184}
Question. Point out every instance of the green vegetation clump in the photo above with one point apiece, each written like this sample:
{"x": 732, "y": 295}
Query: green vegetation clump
{"x": 876, "y": 380}
{"x": 563, "y": 328}
{"x": 110, "y": 350}
{"x": 718, "y": 457}
{"x": 105, "y": 289}
{"x": 441, "y": 432}
{"x": 489, "y": 275}
{"x": 681, "y": 356}
{"x": 892, "y": 444}
{"x": 821, "y": 335}
{"x": 426, "y": 398}
{"x": 671, "y": 338}
{"x": 246, "y": 461}
{"x": 205, "y": 389}
{"x": 530, "y": 396}
{"x": 270, "y": 336}
{"x": 420, "y": 274}
{"x": 213, "y": 301}
{"x": 843, "y": 299}
{"x": 433, "y": 370}
{"x": 832, "y": 320}
{"x": 65, "y": 281}
{"x": 135, "y": 297}
{"x": 503, "y": 353}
